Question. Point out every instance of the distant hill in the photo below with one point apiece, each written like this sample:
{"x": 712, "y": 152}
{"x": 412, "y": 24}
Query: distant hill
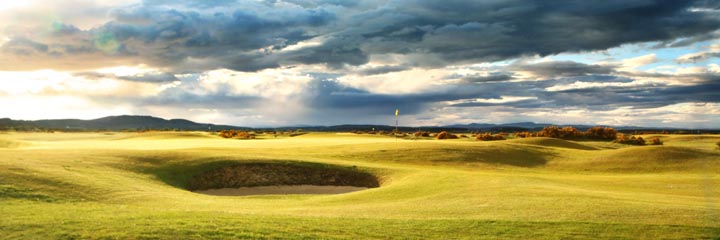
{"x": 124, "y": 122}
{"x": 129, "y": 122}
{"x": 368, "y": 127}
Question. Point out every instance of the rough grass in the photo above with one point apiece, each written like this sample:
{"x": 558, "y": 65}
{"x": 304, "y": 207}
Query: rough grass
{"x": 93, "y": 185}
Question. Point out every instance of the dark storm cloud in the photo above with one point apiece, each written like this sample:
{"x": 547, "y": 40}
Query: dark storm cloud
{"x": 219, "y": 41}
{"x": 190, "y": 40}
{"x": 151, "y": 77}
{"x": 332, "y": 95}
{"x": 596, "y": 92}
{"x": 636, "y": 96}
{"x": 382, "y": 70}
{"x": 530, "y": 103}
{"x": 497, "y": 30}
{"x": 318, "y": 3}
{"x": 489, "y": 78}
{"x": 22, "y": 46}
{"x": 688, "y": 41}
{"x": 191, "y": 3}
{"x": 329, "y": 94}
{"x": 249, "y": 36}
{"x": 562, "y": 68}
{"x": 334, "y": 53}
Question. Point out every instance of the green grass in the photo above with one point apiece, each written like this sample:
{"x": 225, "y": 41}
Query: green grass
{"x": 130, "y": 185}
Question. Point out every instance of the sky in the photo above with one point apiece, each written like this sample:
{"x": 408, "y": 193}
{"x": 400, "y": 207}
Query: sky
{"x": 325, "y": 62}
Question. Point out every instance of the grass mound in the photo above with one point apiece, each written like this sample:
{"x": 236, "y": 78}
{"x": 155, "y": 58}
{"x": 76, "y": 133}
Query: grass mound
{"x": 284, "y": 173}
{"x": 661, "y": 154}
{"x": 486, "y": 154}
{"x": 656, "y": 158}
{"x": 553, "y": 142}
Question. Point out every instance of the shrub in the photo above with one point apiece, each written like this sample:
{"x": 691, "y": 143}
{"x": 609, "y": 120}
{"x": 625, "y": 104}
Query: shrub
{"x": 557, "y": 132}
{"x": 601, "y": 133}
{"x": 655, "y": 141}
{"x": 550, "y": 131}
{"x": 571, "y": 132}
{"x": 236, "y": 134}
{"x": 446, "y": 135}
{"x": 489, "y": 137}
{"x": 630, "y": 141}
{"x": 424, "y": 134}
{"x": 524, "y": 134}
{"x": 718, "y": 144}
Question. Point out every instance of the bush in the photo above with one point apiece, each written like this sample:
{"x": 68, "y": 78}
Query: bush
{"x": 422, "y": 134}
{"x": 236, "y": 134}
{"x": 446, "y": 135}
{"x": 639, "y": 141}
{"x": 601, "y": 133}
{"x": 655, "y": 141}
{"x": 525, "y": 134}
{"x": 571, "y": 133}
{"x": 718, "y": 144}
{"x": 489, "y": 137}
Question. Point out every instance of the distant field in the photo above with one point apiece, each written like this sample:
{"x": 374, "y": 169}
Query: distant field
{"x": 132, "y": 186}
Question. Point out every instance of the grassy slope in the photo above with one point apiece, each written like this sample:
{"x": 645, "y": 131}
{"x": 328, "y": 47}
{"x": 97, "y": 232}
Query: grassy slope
{"x": 126, "y": 185}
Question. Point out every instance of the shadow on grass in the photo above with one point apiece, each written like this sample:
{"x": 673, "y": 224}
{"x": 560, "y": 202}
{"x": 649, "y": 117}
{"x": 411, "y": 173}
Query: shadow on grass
{"x": 554, "y": 142}
{"x": 23, "y": 185}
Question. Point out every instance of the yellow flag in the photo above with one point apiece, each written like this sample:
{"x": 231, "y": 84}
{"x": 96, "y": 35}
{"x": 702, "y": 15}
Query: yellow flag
{"x": 397, "y": 111}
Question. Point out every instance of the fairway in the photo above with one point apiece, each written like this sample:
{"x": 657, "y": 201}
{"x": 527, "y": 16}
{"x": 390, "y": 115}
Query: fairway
{"x": 133, "y": 186}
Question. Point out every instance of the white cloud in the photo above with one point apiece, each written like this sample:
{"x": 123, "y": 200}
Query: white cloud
{"x": 713, "y": 51}
{"x": 586, "y": 85}
{"x": 28, "y": 106}
{"x": 270, "y": 83}
{"x": 631, "y": 64}
{"x": 51, "y": 82}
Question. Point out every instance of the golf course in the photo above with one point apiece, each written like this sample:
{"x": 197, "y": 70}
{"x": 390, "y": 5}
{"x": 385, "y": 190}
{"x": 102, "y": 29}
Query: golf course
{"x": 128, "y": 185}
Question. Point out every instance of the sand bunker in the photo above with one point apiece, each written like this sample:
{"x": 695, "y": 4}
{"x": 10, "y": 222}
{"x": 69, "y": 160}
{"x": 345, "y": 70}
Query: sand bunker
{"x": 281, "y": 190}
{"x": 262, "y": 178}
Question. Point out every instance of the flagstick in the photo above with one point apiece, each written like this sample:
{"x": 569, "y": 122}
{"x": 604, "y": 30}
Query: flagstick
{"x": 396, "y": 128}
{"x": 396, "y": 124}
